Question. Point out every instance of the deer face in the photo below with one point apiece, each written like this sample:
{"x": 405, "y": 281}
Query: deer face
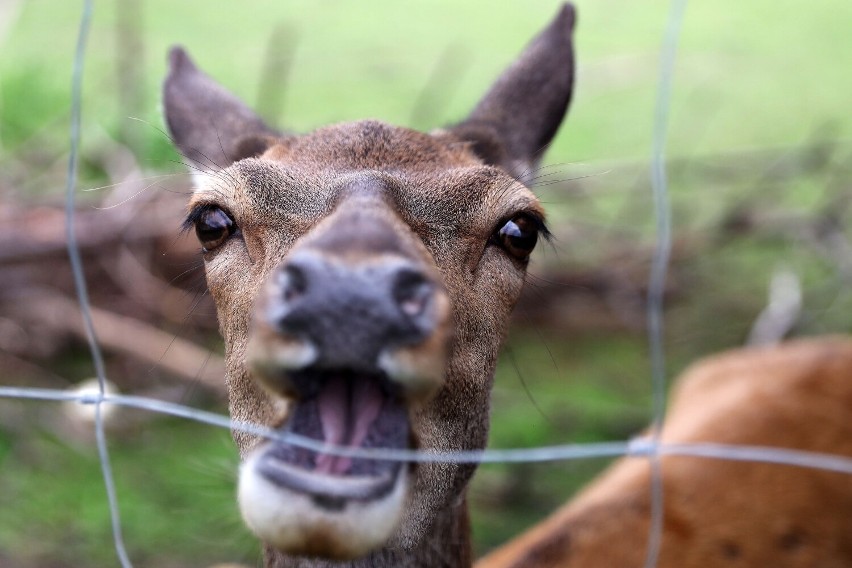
{"x": 363, "y": 276}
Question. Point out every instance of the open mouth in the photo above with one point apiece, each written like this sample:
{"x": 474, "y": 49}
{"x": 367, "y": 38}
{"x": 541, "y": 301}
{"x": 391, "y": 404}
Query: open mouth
{"x": 347, "y": 409}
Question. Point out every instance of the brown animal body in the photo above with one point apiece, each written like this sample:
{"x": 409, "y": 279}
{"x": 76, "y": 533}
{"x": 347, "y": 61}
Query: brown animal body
{"x": 363, "y": 276}
{"x": 720, "y": 513}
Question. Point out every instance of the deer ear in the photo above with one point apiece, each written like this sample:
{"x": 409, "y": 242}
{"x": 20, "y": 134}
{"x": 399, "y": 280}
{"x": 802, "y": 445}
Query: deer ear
{"x": 211, "y": 127}
{"x": 516, "y": 120}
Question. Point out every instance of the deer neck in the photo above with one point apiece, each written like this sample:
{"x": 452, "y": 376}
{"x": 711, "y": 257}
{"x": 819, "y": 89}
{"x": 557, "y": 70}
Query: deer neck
{"x": 446, "y": 546}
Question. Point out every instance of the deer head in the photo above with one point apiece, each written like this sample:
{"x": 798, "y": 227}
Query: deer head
{"x": 363, "y": 276}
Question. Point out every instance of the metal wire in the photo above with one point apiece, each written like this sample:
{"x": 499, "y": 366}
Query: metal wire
{"x": 80, "y": 279}
{"x": 640, "y": 447}
{"x": 659, "y": 271}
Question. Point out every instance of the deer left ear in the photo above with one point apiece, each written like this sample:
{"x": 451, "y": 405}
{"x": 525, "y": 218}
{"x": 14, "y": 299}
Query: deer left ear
{"x": 513, "y": 124}
{"x": 211, "y": 127}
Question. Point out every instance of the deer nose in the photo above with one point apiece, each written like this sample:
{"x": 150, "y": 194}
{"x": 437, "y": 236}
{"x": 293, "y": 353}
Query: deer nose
{"x": 353, "y": 311}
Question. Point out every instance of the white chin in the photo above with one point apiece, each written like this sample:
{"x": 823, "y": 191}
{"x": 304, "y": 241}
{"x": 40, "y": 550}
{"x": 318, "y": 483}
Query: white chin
{"x": 294, "y": 523}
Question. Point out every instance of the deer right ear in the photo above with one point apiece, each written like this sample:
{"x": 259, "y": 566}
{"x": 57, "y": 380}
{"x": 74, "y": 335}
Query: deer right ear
{"x": 513, "y": 124}
{"x": 211, "y": 127}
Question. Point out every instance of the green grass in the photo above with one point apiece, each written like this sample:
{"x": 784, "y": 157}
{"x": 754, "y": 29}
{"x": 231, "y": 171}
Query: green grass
{"x": 548, "y": 392}
{"x": 749, "y": 75}
{"x": 175, "y": 485}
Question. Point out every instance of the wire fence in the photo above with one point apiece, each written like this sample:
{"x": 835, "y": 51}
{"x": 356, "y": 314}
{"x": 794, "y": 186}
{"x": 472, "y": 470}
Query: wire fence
{"x": 648, "y": 447}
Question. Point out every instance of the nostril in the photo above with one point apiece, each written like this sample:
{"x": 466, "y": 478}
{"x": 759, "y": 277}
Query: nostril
{"x": 412, "y": 291}
{"x": 293, "y": 282}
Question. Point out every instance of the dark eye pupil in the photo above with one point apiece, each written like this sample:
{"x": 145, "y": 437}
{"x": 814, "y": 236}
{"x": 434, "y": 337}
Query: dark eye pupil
{"x": 213, "y": 228}
{"x": 519, "y": 237}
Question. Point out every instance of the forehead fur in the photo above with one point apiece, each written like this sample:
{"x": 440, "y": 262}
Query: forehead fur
{"x": 423, "y": 176}
{"x": 370, "y": 144}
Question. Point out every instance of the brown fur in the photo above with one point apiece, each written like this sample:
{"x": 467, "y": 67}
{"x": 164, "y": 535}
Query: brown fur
{"x": 723, "y": 513}
{"x": 355, "y": 192}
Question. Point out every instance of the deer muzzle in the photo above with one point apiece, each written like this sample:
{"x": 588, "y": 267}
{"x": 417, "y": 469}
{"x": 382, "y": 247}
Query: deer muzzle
{"x": 383, "y": 317}
{"x": 352, "y": 341}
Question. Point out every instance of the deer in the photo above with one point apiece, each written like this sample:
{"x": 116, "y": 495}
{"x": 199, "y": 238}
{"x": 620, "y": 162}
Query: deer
{"x": 363, "y": 276}
{"x": 720, "y": 513}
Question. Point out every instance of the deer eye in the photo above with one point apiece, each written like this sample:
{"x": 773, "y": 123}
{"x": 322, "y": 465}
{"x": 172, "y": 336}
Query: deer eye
{"x": 519, "y": 235}
{"x": 213, "y": 226}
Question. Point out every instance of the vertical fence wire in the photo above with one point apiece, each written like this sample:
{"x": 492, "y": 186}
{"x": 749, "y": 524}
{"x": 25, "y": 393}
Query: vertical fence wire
{"x": 659, "y": 271}
{"x": 80, "y": 279}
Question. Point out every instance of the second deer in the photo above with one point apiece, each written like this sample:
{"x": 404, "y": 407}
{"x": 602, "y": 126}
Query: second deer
{"x": 719, "y": 513}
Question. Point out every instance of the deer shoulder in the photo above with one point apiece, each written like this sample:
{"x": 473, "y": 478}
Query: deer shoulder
{"x": 796, "y": 395}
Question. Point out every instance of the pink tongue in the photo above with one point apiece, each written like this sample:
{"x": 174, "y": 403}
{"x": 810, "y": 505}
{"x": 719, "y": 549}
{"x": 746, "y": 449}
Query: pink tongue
{"x": 347, "y": 408}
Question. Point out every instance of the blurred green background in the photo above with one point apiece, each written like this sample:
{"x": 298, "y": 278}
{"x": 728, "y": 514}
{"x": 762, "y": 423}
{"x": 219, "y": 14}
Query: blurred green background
{"x": 760, "y": 157}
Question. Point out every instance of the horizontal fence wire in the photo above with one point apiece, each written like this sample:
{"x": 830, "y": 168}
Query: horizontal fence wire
{"x": 641, "y": 446}
{"x": 648, "y": 447}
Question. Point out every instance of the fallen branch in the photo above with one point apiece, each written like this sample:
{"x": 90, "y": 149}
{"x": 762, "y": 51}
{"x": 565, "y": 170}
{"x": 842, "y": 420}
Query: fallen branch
{"x": 132, "y": 337}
